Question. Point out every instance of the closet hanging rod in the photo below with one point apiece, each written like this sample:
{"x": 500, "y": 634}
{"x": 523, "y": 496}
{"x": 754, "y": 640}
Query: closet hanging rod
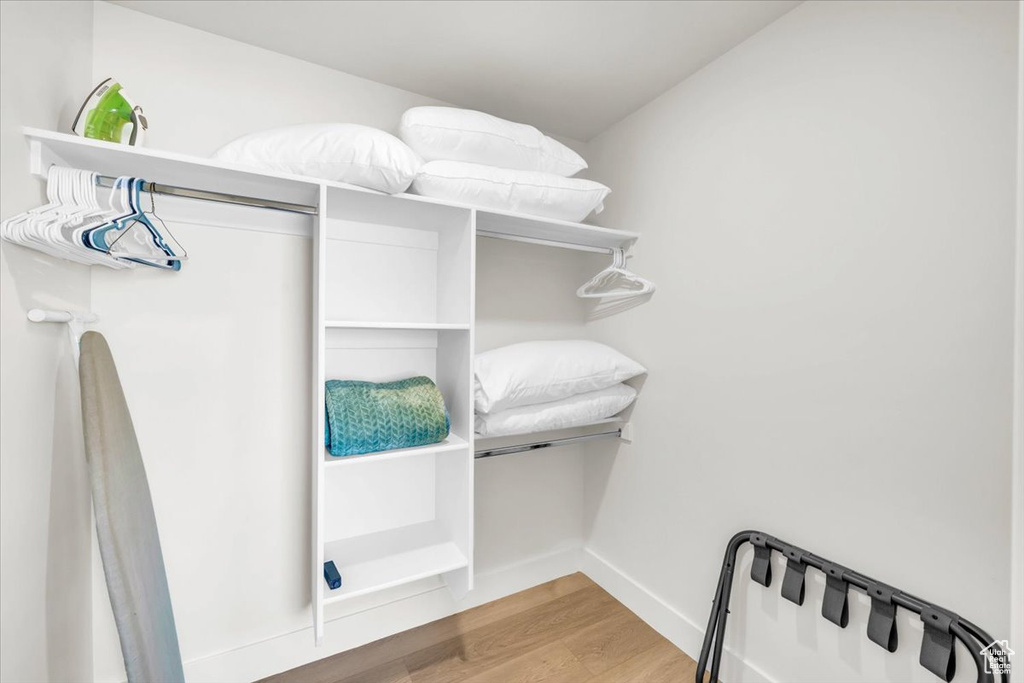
{"x": 221, "y": 197}
{"x": 537, "y": 445}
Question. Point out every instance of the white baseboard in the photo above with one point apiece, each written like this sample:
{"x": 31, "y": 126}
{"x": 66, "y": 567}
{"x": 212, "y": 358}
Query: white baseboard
{"x": 418, "y": 605}
{"x": 429, "y": 601}
{"x": 684, "y": 633}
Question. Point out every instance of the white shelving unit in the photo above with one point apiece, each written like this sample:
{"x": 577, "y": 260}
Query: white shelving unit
{"x": 395, "y": 300}
{"x": 452, "y": 443}
{"x": 386, "y": 559}
{"x": 393, "y": 297}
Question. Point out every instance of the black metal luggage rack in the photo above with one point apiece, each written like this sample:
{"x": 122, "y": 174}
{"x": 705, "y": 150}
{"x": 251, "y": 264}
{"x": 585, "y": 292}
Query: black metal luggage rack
{"x": 942, "y": 628}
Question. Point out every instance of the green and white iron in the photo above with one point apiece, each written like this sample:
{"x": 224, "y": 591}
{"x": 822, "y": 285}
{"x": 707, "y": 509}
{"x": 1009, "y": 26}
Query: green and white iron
{"x": 106, "y": 112}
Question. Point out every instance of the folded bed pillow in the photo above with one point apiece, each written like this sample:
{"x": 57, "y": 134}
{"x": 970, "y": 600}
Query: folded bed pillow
{"x": 574, "y": 411}
{"x": 530, "y": 192}
{"x": 451, "y": 134}
{"x": 541, "y": 371}
{"x": 342, "y": 152}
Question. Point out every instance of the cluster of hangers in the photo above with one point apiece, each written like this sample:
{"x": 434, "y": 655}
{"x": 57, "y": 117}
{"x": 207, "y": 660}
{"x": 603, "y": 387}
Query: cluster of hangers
{"x": 616, "y": 282}
{"x": 78, "y": 225}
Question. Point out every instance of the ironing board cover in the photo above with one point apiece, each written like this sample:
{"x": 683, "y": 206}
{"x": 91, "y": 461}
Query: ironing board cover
{"x": 125, "y": 523}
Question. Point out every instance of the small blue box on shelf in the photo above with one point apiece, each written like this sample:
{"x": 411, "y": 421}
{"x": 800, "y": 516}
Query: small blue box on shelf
{"x": 331, "y": 575}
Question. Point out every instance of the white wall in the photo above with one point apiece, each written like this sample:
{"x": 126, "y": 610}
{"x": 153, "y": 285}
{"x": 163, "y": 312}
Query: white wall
{"x": 828, "y": 211}
{"x": 45, "y": 519}
{"x": 200, "y": 91}
{"x": 226, "y": 341}
{"x": 528, "y": 504}
{"x": 1017, "y": 527}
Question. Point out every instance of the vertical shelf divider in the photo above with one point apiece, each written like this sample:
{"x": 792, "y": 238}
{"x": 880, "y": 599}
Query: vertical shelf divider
{"x": 319, "y": 377}
{"x": 461, "y": 582}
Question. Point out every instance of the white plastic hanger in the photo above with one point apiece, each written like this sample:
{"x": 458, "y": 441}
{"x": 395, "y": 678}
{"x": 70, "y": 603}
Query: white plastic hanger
{"x": 43, "y": 228}
{"x": 49, "y": 229}
{"x": 64, "y": 225}
{"x": 615, "y": 282}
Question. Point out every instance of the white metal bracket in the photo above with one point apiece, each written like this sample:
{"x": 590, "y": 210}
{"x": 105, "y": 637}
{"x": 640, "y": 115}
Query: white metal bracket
{"x": 41, "y": 158}
{"x": 77, "y": 324}
{"x": 627, "y": 433}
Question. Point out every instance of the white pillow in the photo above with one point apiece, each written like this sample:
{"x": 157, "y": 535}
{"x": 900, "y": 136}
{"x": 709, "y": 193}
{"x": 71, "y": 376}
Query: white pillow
{"x": 541, "y": 371}
{"x": 574, "y": 411}
{"x": 528, "y": 192}
{"x": 450, "y": 134}
{"x": 343, "y": 152}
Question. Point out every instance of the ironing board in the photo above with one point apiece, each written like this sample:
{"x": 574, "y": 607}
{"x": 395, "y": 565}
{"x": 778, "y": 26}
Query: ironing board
{"x": 125, "y": 523}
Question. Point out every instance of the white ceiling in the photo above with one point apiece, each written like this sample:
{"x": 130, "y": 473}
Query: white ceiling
{"x": 571, "y": 68}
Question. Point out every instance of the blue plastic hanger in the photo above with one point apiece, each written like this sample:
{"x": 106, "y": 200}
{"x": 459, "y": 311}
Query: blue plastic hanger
{"x": 98, "y": 238}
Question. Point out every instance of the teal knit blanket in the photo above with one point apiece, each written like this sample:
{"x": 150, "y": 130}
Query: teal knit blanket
{"x": 366, "y": 417}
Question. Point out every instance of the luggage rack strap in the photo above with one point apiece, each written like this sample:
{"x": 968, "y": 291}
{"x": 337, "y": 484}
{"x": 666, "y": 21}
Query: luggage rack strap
{"x": 946, "y": 628}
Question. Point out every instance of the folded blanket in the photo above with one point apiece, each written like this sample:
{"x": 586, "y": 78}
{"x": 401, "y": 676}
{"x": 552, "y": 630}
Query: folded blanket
{"x": 366, "y": 417}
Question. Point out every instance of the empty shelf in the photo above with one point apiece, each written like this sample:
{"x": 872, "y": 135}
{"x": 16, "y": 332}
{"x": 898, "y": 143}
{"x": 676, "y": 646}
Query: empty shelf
{"x": 391, "y": 558}
{"x": 357, "y": 325}
{"x": 551, "y": 231}
{"x": 452, "y": 443}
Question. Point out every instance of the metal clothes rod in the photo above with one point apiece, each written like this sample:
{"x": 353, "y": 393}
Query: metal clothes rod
{"x": 537, "y": 445}
{"x": 309, "y": 210}
{"x": 221, "y": 197}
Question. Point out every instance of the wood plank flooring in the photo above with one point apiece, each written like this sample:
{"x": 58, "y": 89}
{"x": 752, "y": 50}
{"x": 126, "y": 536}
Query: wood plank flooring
{"x": 566, "y": 631}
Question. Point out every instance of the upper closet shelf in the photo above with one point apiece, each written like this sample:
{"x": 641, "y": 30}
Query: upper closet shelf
{"x": 166, "y": 168}
{"x": 174, "y": 171}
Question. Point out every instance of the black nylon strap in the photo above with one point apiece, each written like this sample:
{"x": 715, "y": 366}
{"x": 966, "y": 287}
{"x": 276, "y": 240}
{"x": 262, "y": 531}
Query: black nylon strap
{"x": 793, "y": 581}
{"x": 937, "y": 653}
{"x": 761, "y": 570}
{"x": 835, "y": 606}
{"x": 882, "y": 620}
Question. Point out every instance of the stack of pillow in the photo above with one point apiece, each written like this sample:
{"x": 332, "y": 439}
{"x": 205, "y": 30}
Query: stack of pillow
{"x": 544, "y": 385}
{"x": 481, "y": 160}
{"x": 471, "y": 158}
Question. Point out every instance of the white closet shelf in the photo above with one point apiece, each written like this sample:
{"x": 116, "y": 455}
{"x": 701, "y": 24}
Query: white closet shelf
{"x": 169, "y": 168}
{"x": 487, "y": 447}
{"x": 391, "y": 558}
{"x": 452, "y": 443}
{"x": 358, "y": 325}
{"x": 551, "y": 232}
{"x": 488, "y": 441}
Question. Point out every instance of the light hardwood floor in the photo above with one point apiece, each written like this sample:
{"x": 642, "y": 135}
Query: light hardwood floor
{"x": 566, "y": 631}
